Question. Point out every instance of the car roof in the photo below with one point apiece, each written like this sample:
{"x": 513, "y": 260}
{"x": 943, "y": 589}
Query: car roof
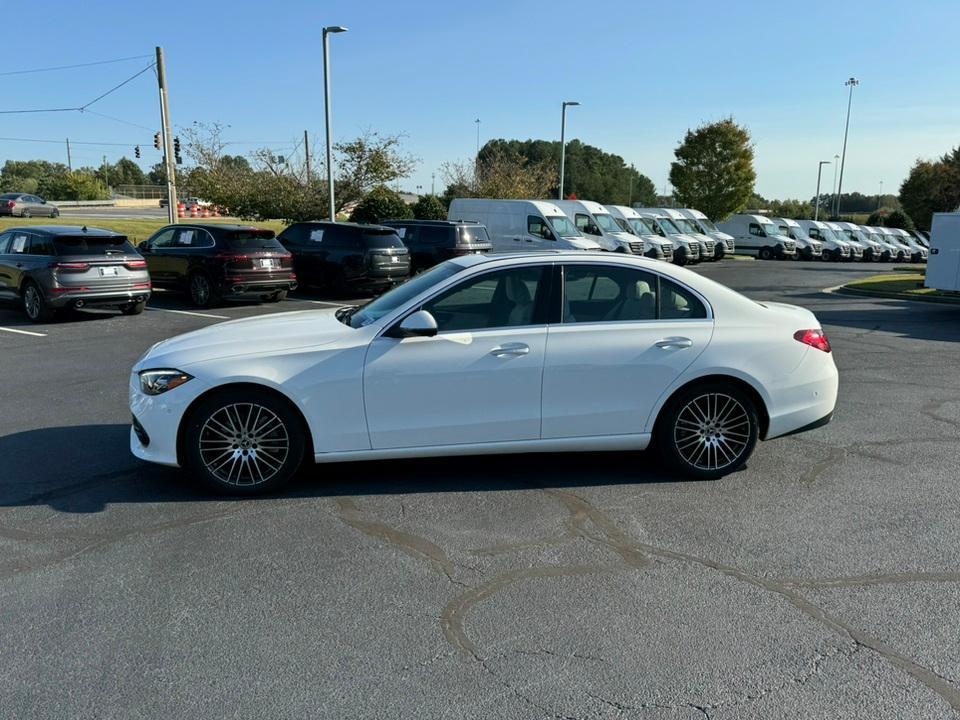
{"x": 69, "y": 230}
{"x": 362, "y": 226}
{"x": 397, "y": 221}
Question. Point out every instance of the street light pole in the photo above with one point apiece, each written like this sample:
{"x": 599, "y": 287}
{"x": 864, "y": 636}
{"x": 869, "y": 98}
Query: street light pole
{"x": 563, "y": 141}
{"x": 833, "y": 195}
{"x": 476, "y": 158}
{"x": 326, "y": 110}
{"x": 816, "y": 209}
{"x": 880, "y": 196}
{"x": 852, "y": 83}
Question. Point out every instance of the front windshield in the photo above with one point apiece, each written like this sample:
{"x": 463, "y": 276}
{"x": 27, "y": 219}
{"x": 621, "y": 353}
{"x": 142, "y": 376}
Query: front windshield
{"x": 772, "y": 229}
{"x": 607, "y": 223}
{"x": 668, "y": 226}
{"x": 707, "y": 225}
{"x": 624, "y": 225}
{"x": 877, "y": 237}
{"x": 685, "y": 225}
{"x": 390, "y": 301}
{"x": 562, "y": 226}
{"x": 642, "y": 226}
{"x": 828, "y": 234}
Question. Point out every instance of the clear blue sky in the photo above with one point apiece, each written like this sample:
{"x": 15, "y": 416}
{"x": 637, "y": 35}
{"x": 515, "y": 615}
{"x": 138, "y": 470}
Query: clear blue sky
{"x": 645, "y": 73}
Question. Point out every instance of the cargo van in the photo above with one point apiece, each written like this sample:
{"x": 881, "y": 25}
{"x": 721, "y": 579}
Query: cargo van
{"x": 872, "y": 250}
{"x": 688, "y": 229}
{"x": 834, "y": 248}
{"x": 629, "y": 219}
{"x": 943, "y": 270}
{"x": 725, "y": 244}
{"x": 522, "y": 225}
{"x": 807, "y": 247}
{"x": 889, "y": 252}
{"x": 595, "y": 221}
{"x": 759, "y": 236}
{"x": 904, "y": 251}
{"x": 858, "y": 250}
{"x": 685, "y": 248}
{"x": 918, "y": 253}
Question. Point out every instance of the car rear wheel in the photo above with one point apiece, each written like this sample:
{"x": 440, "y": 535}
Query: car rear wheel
{"x": 54, "y": 213}
{"x": 26, "y": 214}
{"x": 202, "y": 292}
{"x": 278, "y": 296}
{"x": 133, "y": 308}
{"x": 243, "y": 442}
{"x": 708, "y": 431}
{"x": 35, "y": 305}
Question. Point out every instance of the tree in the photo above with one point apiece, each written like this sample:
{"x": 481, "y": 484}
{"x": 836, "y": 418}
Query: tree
{"x": 369, "y": 161}
{"x": 899, "y": 219}
{"x": 124, "y": 172}
{"x": 714, "y": 171}
{"x": 380, "y": 204}
{"x": 931, "y": 187}
{"x": 429, "y": 207}
{"x": 502, "y": 172}
{"x": 74, "y": 186}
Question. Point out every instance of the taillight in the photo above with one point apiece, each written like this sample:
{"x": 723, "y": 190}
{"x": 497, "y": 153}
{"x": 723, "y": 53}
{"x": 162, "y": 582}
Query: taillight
{"x": 70, "y": 266}
{"x": 136, "y": 265}
{"x": 814, "y": 338}
{"x": 235, "y": 260}
{"x": 11, "y": 203}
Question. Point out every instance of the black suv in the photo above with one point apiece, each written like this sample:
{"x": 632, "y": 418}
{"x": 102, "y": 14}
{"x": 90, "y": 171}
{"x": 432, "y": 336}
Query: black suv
{"x": 215, "y": 261}
{"x": 433, "y": 241}
{"x": 346, "y": 256}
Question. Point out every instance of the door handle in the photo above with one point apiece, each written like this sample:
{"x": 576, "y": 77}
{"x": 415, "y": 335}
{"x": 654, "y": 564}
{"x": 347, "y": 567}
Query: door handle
{"x": 510, "y": 350}
{"x": 675, "y": 342}
{"x": 19, "y": 265}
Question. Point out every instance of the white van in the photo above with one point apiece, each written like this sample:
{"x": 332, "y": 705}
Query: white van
{"x": 834, "y": 247}
{"x": 904, "y": 251}
{"x": 629, "y": 219}
{"x": 943, "y": 271}
{"x": 872, "y": 250}
{"x": 685, "y": 248}
{"x": 519, "y": 225}
{"x": 594, "y": 221}
{"x": 759, "y": 236}
{"x": 725, "y": 244}
{"x": 807, "y": 247}
{"x": 918, "y": 253}
{"x": 889, "y": 252}
{"x": 687, "y": 228}
{"x": 858, "y": 250}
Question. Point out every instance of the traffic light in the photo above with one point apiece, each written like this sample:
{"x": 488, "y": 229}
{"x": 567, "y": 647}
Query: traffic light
{"x": 176, "y": 151}
{"x": 156, "y": 140}
{"x": 136, "y": 151}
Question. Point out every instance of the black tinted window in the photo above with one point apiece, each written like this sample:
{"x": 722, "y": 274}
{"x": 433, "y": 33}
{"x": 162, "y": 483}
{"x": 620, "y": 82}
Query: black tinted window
{"x": 293, "y": 235}
{"x": 474, "y": 234}
{"x": 193, "y": 238}
{"x": 383, "y": 238}
{"x": 163, "y": 239}
{"x": 434, "y": 235}
{"x": 252, "y": 240}
{"x": 678, "y": 303}
{"x": 4, "y": 239}
{"x": 598, "y": 293}
{"x": 41, "y": 245}
{"x": 91, "y": 245}
{"x": 507, "y": 298}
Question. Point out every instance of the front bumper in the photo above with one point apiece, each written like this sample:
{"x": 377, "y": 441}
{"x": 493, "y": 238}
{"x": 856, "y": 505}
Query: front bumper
{"x": 159, "y": 417}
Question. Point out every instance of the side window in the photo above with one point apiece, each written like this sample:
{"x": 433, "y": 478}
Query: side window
{"x": 41, "y": 245}
{"x": 814, "y": 233}
{"x": 678, "y": 303}
{"x": 292, "y": 235}
{"x": 538, "y": 227}
{"x": 19, "y": 244}
{"x": 404, "y": 233}
{"x": 434, "y": 235}
{"x": 755, "y": 229}
{"x": 315, "y": 235}
{"x": 5, "y": 239}
{"x": 506, "y": 298}
{"x": 585, "y": 224}
{"x": 193, "y": 238}
{"x": 164, "y": 239}
{"x": 601, "y": 293}
{"x": 347, "y": 238}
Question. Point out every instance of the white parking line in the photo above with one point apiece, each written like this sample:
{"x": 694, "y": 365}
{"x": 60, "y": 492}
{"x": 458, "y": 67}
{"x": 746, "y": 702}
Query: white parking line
{"x": 23, "y": 332}
{"x": 187, "y": 312}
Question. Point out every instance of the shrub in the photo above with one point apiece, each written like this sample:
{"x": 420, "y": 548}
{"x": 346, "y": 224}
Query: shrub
{"x": 429, "y": 207}
{"x": 381, "y": 204}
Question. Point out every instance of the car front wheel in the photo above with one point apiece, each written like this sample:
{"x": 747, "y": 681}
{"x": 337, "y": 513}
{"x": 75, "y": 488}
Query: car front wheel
{"x": 708, "y": 431}
{"x": 243, "y": 442}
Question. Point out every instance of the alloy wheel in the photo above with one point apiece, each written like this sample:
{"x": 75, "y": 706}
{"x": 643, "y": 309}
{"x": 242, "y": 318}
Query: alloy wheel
{"x": 244, "y": 444}
{"x": 712, "y": 431}
{"x": 200, "y": 289}
{"x": 31, "y": 302}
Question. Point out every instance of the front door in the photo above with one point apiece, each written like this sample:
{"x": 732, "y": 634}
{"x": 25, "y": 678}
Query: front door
{"x": 476, "y": 381}
{"x": 159, "y": 253}
{"x": 14, "y": 262}
{"x": 625, "y": 336}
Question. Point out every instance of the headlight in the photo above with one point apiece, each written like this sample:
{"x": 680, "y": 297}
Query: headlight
{"x": 157, "y": 382}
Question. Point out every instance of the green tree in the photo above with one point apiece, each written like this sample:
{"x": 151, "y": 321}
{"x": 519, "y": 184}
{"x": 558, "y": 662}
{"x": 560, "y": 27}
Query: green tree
{"x": 380, "y": 204}
{"x": 899, "y": 219}
{"x": 75, "y": 185}
{"x": 714, "y": 171}
{"x": 429, "y": 207}
{"x": 878, "y": 217}
{"x": 931, "y": 187}
{"x": 123, "y": 172}
{"x": 367, "y": 162}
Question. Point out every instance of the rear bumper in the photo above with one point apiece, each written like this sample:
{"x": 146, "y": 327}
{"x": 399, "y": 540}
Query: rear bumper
{"x": 94, "y": 298}
{"x": 801, "y": 406}
{"x": 249, "y": 288}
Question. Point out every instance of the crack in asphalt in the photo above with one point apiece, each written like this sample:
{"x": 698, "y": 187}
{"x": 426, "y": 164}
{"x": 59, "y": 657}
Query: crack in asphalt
{"x": 868, "y": 580}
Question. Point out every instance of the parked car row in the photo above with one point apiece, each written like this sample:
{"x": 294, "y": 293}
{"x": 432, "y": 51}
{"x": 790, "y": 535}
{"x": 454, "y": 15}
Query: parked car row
{"x": 782, "y": 238}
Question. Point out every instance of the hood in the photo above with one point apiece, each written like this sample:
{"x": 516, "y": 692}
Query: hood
{"x": 683, "y": 237}
{"x": 581, "y": 243}
{"x": 261, "y": 335}
{"x": 722, "y": 236}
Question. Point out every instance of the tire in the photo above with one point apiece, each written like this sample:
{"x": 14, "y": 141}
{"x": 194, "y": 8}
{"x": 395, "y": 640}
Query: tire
{"x": 202, "y": 292}
{"x": 133, "y": 308}
{"x": 35, "y": 304}
{"x": 278, "y": 296}
{"x": 55, "y": 213}
{"x": 719, "y": 253}
{"x": 692, "y": 443}
{"x": 26, "y": 214}
{"x": 765, "y": 253}
{"x": 243, "y": 441}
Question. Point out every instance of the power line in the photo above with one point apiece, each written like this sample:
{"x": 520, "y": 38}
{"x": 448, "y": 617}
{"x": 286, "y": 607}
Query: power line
{"x": 115, "y": 88}
{"x": 72, "y": 142}
{"x": 71, "y": 67}
{"x": 119, "y": 120}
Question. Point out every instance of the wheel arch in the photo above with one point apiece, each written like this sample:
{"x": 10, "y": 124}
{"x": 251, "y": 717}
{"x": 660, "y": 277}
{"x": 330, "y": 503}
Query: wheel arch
{"x": 763, "y": 414}
{"x": 241, "y": 385}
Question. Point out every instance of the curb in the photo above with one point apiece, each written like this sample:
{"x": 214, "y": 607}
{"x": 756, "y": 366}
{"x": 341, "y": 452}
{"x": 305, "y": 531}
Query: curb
{"x": 937, "y": 300}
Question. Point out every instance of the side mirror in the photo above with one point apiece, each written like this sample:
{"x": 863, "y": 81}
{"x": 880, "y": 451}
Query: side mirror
{"x": 418, "y": 324}
{"x": 144, "y": 247}
{"x": 42, "y": 201}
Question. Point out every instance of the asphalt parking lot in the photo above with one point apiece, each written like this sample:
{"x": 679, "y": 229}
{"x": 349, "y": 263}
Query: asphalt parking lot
{"x": 821, "y": 581}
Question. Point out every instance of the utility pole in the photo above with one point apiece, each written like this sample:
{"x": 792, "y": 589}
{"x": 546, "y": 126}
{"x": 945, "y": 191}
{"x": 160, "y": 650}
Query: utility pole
{"x": 168, "y": 163}
{"x": 563, "y": 141}
{"x": 106, "y": 175}
{"x": 476, "y": 158}
{"x": 816, "y": 209}
{"x": 880, "y": 196}
{"x": 833, "y": 197}
{"x": 306, "y": 154}
{"x": 433, "y": 183}
{"x": 69, "y": 159}
{"x": 630, "y": 194}
{"x": 326, "y": 111}
{"x": 851, "y": 83}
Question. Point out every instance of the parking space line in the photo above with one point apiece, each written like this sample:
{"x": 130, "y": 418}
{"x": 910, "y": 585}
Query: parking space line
{"x": 193, "y": 314}
{"x": 23, "y": 332}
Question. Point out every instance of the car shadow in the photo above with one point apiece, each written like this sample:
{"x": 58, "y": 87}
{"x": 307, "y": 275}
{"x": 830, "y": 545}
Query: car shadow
{"x": 915, "y": 320}
{"x": 84, "y": 469}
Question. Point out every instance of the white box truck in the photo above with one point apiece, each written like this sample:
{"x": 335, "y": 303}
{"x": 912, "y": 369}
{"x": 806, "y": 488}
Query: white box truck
{"x": 595, "y": 221}
{"x": 943, "y": 266}
{"x": 654, "y": 246}
{"x": 522, "y": 225}
{"x": 759, "y": 236}
{"x": 725, "y": 244}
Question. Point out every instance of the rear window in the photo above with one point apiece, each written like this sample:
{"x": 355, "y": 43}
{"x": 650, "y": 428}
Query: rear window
{"x": 474, "y": 234}
{"x": 382, "y": 239}
{"x": 253, "y": 240}
{"x": 92, "y": 245}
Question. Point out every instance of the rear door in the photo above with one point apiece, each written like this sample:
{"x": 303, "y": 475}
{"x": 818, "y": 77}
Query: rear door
{"x": 625, "y": 336}
{"x": 6, "y": 266}
{"x": 191, "y": 246}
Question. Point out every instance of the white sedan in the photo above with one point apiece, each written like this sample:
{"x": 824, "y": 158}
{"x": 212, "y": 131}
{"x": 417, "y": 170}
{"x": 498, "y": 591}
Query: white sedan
{"x": 517, "y": 353}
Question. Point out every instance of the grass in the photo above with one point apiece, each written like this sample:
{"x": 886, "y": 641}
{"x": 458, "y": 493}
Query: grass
{"x": 901, "y": 285}
{"x": 137, "y": 230}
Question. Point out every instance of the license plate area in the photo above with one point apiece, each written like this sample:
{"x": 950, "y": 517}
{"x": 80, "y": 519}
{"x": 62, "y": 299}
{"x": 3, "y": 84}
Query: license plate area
{"x": 269, "y": 263}
{"x": 109, "y": 271}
